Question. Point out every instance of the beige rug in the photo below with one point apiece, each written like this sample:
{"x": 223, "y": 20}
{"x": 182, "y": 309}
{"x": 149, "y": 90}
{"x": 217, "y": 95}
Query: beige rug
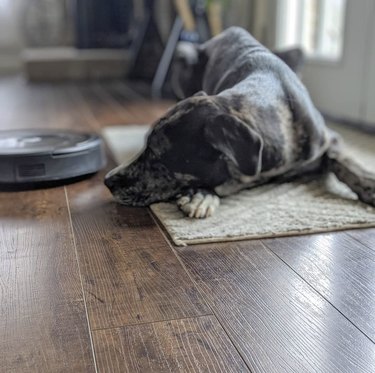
{"x": 272, "y": 210}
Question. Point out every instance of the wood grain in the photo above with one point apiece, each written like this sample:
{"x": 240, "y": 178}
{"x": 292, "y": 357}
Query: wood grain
{"x": 275, "y": 319}
{"x": 189, "y": 345}
{"x": 24, "y": 106}
{"x": 339, "y": 268}
{"x": 305, "y": 318}
{"x": 365, "y": 236}
{"x": 43, "y": 326}
{"x": 130, "y": 274}
{"x": 110, "y": 104}
{"x": 142, "y": 110}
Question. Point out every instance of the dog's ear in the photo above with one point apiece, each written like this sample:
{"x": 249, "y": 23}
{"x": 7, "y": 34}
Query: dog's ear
{"x": 236, "y": 141}
{"x": 293, "y": 57}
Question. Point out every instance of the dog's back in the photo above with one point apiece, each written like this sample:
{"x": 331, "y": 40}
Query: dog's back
{"x": 267, "y": 95}
{"x": 231, "y": 57}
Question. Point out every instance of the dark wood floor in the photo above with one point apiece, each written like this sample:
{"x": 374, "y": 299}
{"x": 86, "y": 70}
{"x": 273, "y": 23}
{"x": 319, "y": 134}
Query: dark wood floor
{"x": 87, "y": 285}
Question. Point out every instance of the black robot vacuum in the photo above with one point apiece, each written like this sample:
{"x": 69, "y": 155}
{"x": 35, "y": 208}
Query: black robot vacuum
{"x": 30, "y": 157}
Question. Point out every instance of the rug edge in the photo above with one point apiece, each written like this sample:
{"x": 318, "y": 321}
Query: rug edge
{"x": 198, "y": 241}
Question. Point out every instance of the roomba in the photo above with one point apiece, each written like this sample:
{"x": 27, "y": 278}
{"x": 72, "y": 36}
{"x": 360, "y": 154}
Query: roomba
{"x": 33, "y": 156}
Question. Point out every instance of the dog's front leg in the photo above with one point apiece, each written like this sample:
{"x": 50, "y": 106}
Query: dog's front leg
{"x": 198, "y": 203}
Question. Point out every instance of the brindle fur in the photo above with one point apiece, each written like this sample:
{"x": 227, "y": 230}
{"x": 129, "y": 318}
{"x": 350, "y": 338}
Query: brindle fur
{"x": 251, "y": 121}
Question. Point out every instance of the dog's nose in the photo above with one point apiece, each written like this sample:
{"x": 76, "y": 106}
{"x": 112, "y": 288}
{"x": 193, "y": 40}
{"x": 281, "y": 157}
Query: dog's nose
{"x": 111, "y": 177}
{"x": 108, "y": 181}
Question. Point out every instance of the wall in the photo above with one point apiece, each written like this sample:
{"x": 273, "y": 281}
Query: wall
{"x": 10, "y": 39}
{"x": 32, "y": 23}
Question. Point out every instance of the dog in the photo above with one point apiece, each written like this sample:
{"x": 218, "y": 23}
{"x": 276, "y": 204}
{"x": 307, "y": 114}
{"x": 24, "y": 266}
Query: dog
{"x": 249, "y": 121}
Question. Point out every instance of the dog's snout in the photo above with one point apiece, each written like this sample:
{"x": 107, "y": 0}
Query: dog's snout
{"x": 109, "y": 183}
{"x": 112, "y": 177}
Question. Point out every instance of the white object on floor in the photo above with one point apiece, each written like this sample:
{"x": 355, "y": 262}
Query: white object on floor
{"x": 126, "y": 142}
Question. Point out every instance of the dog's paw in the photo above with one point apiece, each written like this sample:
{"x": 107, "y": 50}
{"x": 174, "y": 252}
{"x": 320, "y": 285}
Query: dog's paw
{"x": 366, "y": 192}
{"x": 198, "y": 205}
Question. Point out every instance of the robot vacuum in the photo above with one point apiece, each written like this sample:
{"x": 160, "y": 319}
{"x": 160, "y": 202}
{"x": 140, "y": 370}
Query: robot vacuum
{"x": 42, "y": 156}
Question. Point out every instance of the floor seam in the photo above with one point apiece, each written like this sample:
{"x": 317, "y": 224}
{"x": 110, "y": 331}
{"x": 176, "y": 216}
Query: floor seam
{"x": 318, "y": 292}
{"x": 199, "y": 290}
{"x": 81, "y": 281}
{"x": 359, "y": 241}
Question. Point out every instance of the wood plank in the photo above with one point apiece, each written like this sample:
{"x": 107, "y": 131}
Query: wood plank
{"x": 142, "y": 110}
{"x": 70, "y": 109}
{"x": 43, "y": 106}
{"x": 275, "y": 319}
{"x": 122, "y": 108}
{"x": 189, "y": 345}
{"x": 130, "y": 274}
{"x": 99, "y": 107}
{"x": 24, "y": 106}
{"x": 338, "y": 267}
{"x": 43, "y": 325}
{"x": 365, "y": 236}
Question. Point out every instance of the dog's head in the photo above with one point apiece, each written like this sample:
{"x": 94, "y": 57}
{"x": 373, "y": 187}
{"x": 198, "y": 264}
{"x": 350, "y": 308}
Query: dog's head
{"x": 197, "y": 144}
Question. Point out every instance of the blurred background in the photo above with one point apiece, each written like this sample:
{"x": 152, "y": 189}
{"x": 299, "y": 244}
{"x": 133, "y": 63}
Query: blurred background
{"x": 135, "y": 40}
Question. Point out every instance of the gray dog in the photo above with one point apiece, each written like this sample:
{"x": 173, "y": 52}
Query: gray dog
{"x": 252, "y": 121}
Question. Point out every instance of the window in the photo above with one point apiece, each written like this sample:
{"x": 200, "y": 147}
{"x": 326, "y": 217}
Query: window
{"x": 315, "y": 25}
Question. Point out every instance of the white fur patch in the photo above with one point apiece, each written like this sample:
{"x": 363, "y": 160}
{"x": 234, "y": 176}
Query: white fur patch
{"x": 287, "y": 130}
{"x": 199, "y": 206}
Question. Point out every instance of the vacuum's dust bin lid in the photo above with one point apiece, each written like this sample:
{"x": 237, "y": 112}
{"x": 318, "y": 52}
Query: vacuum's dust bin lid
{"x": 37, "y": 155}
